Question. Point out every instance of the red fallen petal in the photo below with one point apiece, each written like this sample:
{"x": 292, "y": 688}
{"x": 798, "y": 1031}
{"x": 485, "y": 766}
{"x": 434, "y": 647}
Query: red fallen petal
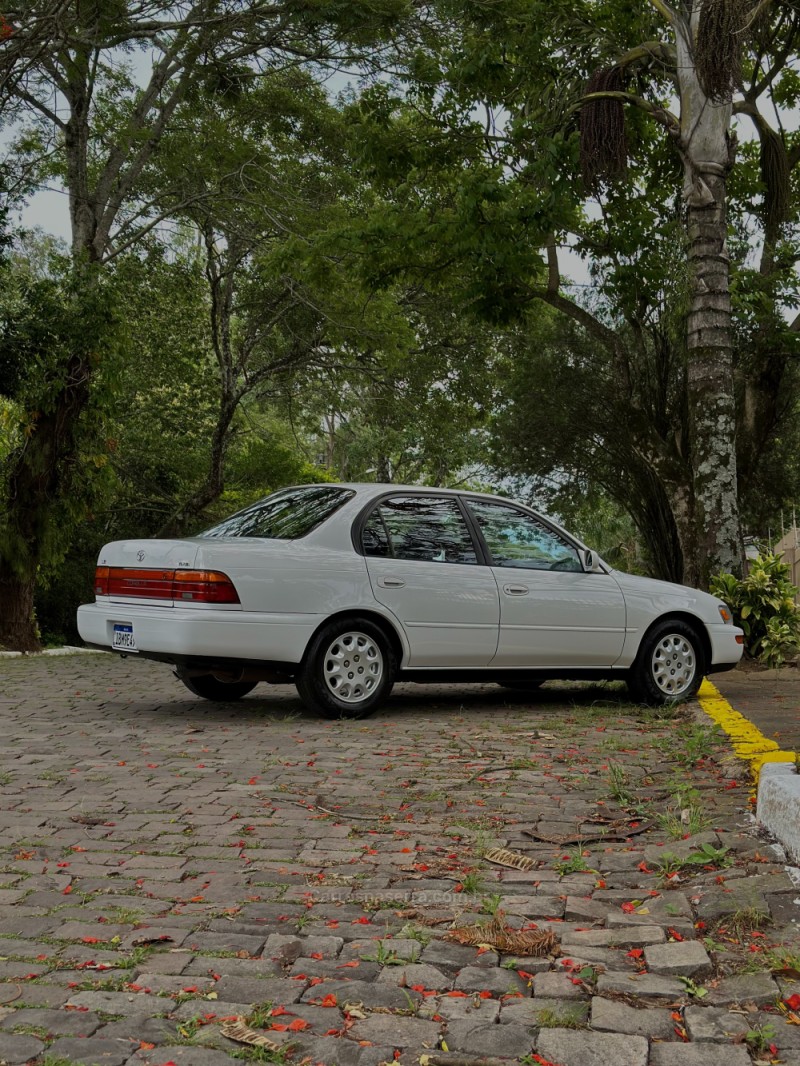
{"x": 635, "y": 953}
{"x": 297, "y": 1025}
{"x": 629, "y": 908}
{"x": 329, "y": 1000}
{"x": 348, "y": 965}
{"x": 793, "y": 1002}
{"x": 315, "y": 955}
{"x": 456, "y": 995}
{"x": 485, "y": 994}
{"x": 277, "y": 1011}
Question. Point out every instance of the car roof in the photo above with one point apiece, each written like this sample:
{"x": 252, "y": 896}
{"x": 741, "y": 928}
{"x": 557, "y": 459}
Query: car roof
{"x": 373, "y": 488}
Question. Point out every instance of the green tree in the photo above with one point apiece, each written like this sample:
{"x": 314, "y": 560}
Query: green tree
{"x": 91, "y": 120}
{"x": 525, "y": 126}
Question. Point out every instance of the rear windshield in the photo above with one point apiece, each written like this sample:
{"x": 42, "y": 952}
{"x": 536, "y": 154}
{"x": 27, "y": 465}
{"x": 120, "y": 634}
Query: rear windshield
{"x": 285, "y": 515}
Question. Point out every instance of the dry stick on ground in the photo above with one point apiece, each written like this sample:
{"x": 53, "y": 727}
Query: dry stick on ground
{"x": 307, "y": 806}
{"x": 584, "y": 838}
{"x": 449, "y": 1058}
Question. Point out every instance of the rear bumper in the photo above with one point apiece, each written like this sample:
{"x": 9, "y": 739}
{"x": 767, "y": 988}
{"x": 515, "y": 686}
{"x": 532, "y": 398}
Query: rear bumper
{"x": 175, "y": 634}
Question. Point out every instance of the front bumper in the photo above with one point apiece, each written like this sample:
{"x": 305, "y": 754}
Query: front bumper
{"x": 725, "y": 652}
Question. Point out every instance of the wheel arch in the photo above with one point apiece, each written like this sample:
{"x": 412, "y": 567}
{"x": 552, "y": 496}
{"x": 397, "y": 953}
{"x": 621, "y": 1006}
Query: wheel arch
{"x": 692, "y": 620}
{"x": 377, "y": 618}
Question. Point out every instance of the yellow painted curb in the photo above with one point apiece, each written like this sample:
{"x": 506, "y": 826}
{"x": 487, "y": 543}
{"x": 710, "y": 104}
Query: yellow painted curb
{"x": 749, "y": 743}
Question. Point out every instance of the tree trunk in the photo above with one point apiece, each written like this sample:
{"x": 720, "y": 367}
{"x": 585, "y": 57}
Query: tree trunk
{"x": 18, "y": 630}
{"x": 705, "y": 140}
{"x": 40, "y": 474}
{"x": 214, "y": 484}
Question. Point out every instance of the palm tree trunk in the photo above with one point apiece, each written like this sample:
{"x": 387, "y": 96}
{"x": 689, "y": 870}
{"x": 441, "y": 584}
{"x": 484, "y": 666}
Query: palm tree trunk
{"x": 707, "y": 151}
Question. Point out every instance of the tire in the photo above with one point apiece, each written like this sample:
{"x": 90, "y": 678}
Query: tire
{"x": 348, "y": 669}
{"x": 670, "y": 664}
{"x": 521, "y": 686}
{"x": 211, "y": 688}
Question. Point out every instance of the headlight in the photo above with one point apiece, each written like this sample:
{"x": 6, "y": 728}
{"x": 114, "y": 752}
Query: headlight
{"x": 725, "y": 614}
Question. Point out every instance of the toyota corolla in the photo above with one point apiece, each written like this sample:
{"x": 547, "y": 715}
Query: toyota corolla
{"x": 345, "y": 589}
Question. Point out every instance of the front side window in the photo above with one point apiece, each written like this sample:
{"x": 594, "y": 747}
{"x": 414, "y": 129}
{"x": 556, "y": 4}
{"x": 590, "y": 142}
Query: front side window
{"x": 285, "y": 515}
{"x": 516, "y": 539}
{"x": 421, "y": 528}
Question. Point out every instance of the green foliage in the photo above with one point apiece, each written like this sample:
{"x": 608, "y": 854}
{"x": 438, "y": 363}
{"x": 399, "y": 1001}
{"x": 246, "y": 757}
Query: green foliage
{"x": 763, "y": 604}
{"x": 53, "y": 319}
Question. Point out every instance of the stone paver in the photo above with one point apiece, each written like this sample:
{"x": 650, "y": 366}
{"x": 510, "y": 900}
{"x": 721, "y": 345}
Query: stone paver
{"x": 699, "y": 1055}
{"x": 167, "y": 863}
{"x": 569, "y": 1048}
{"x": 688, "y": 958}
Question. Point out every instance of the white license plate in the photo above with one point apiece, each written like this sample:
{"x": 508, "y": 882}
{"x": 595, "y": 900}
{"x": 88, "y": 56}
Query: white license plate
{"x": 122, "y": 637}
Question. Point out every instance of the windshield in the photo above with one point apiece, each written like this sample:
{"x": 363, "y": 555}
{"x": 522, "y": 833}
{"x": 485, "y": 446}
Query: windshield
{"x": 285, "y": 515}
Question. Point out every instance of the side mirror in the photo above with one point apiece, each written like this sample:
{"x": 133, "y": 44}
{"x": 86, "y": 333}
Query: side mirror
{"x": 590, "y": 561}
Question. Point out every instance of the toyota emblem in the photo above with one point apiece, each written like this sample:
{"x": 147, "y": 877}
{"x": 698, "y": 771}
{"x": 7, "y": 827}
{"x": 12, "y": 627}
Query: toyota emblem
{"x": 140, "y": 555}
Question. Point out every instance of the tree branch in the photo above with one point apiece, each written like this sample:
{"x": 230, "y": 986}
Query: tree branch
{"x": 663, "y": 116}
{"x": 648, "y": 50}
{"x": 664, "y": 9}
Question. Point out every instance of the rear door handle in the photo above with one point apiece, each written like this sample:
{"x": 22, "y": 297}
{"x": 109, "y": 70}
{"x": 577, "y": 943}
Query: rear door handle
{"x": 391, "y": 582}
{"x": 515, "y": 590}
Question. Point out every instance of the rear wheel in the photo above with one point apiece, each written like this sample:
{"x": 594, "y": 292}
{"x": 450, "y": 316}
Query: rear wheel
{"x": 670, "y": 665}
{"x": 211, "y": 688}
{"x": 348, "y": 670}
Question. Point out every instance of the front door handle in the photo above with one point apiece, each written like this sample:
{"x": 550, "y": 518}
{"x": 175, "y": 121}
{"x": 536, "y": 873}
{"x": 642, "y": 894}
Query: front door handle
{"x": 515, "y": 590}
{"x": 391, "y": 582}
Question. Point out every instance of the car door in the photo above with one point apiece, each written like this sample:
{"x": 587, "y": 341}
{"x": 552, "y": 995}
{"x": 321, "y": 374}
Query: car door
{"x": 424, "y": 567}
{"x": 552, "y": 612}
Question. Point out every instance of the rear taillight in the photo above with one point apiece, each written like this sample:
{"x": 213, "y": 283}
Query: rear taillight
{"x": 204, "y": 586}
{"x": 182, "y": 586}
{"x": 146, "y": 584}
{"x": 101, "y": 581}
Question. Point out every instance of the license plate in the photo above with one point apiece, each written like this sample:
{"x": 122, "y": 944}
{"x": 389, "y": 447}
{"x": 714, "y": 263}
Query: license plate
{"x": 122, "y": 637}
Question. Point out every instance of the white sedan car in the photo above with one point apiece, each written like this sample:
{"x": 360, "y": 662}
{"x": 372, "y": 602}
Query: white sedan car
{"x": 345, "y": 589}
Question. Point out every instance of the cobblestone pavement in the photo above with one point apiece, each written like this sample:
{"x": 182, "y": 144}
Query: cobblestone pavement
{"x": 170, "y": 864}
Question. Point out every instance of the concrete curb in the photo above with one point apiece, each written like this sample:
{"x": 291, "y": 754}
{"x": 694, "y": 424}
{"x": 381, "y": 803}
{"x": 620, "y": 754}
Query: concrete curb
{"x": 778, "y": 807}
{"x": 773, "y": 770}
{"x": 67, "y": 650}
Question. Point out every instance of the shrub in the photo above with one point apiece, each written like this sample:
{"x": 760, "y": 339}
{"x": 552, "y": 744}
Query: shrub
{"x": 763, "y": 605}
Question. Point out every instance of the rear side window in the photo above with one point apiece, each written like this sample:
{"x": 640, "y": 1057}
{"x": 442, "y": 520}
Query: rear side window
{"x": 285, "y": 515}
{"x": 426, "y": 529}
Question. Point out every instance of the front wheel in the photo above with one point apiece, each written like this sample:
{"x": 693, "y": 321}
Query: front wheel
{"x": 211, "y": 688}
{"x": 348, "y": 669}
{"x": 670, "y": 664}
